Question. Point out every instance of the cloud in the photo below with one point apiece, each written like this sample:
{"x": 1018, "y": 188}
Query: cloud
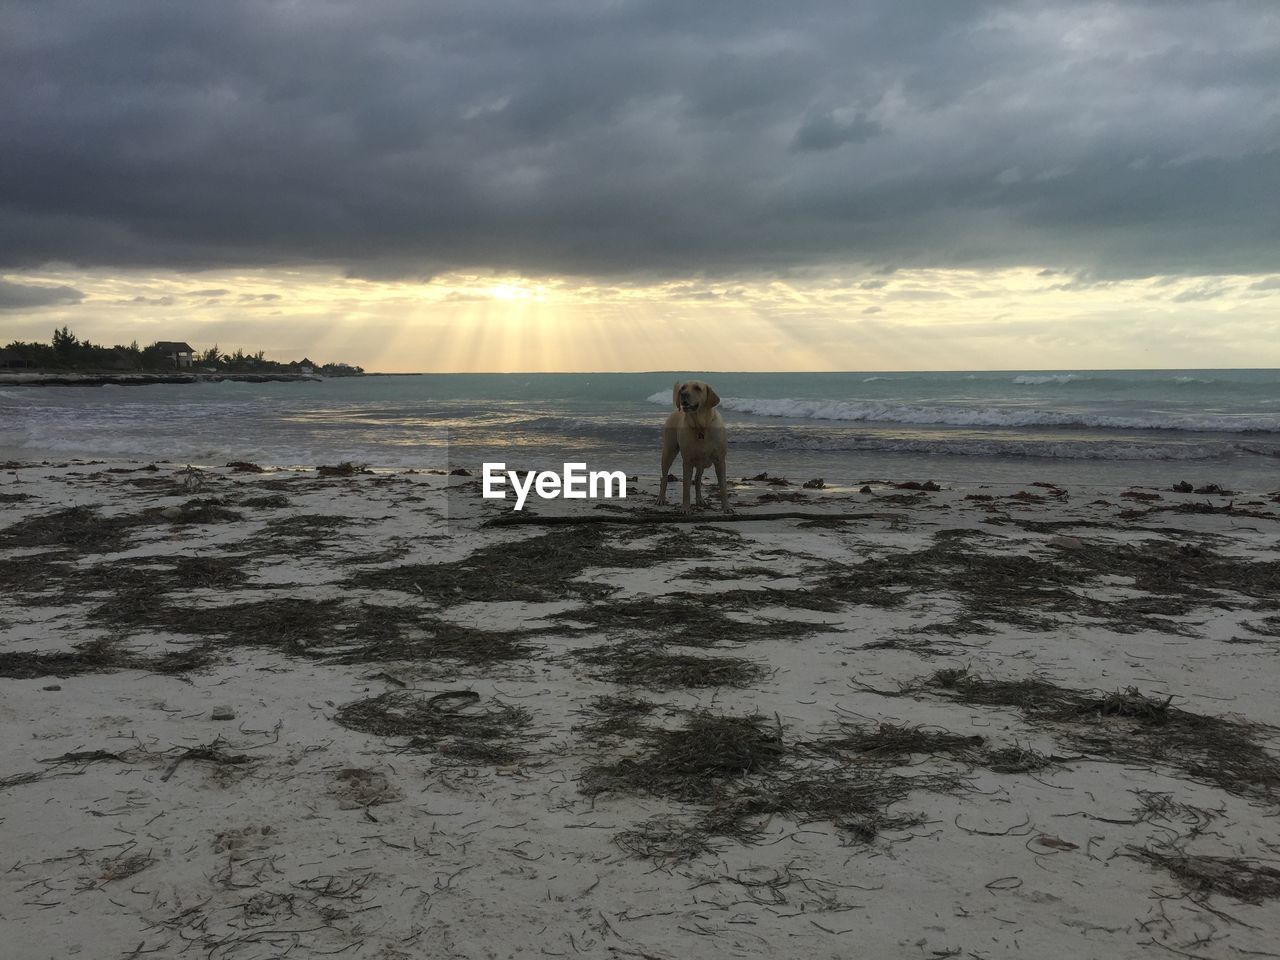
{"x": 1204, "y": 291}
{"x": 26, "y": 296}
{"x": 715, "y": 139}
{"x": 919, "y": 293}
{"x": 824, "y": 131}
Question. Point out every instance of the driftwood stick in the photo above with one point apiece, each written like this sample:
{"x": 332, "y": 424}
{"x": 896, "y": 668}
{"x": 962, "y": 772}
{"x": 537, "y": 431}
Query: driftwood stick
{"x": 653, "y": 517}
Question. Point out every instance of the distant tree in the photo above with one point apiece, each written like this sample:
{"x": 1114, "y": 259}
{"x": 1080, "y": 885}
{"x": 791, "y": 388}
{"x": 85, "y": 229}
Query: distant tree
{"x": 38, "y": 355}
{"x": 155, "y": 360}
{"x": 340, "y": 370}
{"x": 65, "y": 344}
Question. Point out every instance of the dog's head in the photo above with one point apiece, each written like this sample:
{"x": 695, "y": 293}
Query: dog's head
{"x": 694, "y": 395}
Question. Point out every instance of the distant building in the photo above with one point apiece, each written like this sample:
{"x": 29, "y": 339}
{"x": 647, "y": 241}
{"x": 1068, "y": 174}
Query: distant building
{"x": 179, "y": 354}
{"x": 12, "y": 359}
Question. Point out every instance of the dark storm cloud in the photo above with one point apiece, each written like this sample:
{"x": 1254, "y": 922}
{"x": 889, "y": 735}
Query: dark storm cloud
{"x": 402, "y": 137}
{"x": 23, "y": 296}
{"x": 825, "y": 132}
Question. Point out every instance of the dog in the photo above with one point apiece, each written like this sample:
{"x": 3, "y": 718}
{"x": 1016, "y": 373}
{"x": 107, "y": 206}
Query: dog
{"x": 696, "y": 431}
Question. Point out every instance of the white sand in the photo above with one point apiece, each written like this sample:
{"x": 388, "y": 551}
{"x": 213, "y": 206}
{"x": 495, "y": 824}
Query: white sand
{"x": 141, "y": 856}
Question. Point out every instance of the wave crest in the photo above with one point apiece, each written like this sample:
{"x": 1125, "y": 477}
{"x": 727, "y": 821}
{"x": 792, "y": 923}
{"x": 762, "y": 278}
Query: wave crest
{"x": 855, "y": 411}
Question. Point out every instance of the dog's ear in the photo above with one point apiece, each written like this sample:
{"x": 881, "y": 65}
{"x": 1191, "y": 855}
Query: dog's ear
{"x": 675, "y": 396}
{"x": 713, "y": 398}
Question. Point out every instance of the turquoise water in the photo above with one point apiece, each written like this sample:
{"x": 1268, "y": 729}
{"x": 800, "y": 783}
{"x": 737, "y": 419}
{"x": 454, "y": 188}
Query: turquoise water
{"x": 1114, "y": 426}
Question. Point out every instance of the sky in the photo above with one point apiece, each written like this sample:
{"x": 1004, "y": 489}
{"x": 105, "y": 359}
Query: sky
{"x": 625, "y": 185}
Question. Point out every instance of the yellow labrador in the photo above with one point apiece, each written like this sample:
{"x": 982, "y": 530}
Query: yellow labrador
{"x": 695, "y": 431}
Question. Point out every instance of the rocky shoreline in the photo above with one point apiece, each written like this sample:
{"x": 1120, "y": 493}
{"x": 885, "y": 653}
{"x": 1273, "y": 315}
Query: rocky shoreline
{"x": 141, "y": 379}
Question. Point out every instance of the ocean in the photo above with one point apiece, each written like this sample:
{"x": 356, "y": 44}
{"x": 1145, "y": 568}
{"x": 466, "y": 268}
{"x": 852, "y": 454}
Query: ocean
{"x": 1005, "y": 427}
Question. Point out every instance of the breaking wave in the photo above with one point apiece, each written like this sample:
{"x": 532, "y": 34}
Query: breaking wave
{"x": 1035, "y": 379}
{"x": 856, "y": 411}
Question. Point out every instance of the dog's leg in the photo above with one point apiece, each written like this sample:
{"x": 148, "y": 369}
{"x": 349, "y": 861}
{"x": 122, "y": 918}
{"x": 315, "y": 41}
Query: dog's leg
{"x": 722, "y": 479}
{"x": 687, "y": 469}
{"x": 697, "y": 486}
{"x": 669, "y": 449}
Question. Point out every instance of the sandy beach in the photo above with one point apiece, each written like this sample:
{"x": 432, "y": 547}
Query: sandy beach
{"x": 361, "y": 713}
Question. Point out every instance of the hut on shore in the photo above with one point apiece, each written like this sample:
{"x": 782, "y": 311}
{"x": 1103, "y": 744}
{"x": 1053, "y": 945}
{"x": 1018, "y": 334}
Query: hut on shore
{"x": 179, "y": 354}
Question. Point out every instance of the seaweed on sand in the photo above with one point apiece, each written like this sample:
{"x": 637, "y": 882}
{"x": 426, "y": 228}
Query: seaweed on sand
{"x": 321, "y": 629}
{"x": 695, "y": 762}
{"x": 666, "y": 840}
{"x": 1130, "y": 727}
{"x": 729, "y": 572}
{"x": 452, "y": 724}
{"x": 918, "y": 645}
{"x": 1267, "y": 627}
{"x": 393, "y": 633}
{"x": 97, "y": 656}
{"x": 288, "y": 533}
{"x": 677, "y": 620}
{"x": 200, "y": 510}
{"x": 1243, "y": 880}
{"x": 892, "y": 743}
{"x": 267, "y": 501}
{"x": 538, "y": 568}
{"x": 288, "y": 623}
{"x": 186, "y": 573}
{"x": 344, "y": 469}
{"x": 616, "y": 716}
{"x": 38, "y": 573}
{"x": 1175, "y": 569}
{"x": 895, "y": 744}
{"x": 740, "y": 769}
{"x": 648, "y": 665}
{"x": 993, "y": 583}
{"x": 82, "y": 529}
{"x": 153, "y": 575}
{"x": 86, "y": 530}
{"x": 1015, "y": 759}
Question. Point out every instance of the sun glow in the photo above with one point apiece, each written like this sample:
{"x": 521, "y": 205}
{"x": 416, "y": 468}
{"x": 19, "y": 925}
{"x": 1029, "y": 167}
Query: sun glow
{"x": 834, "y": 320}
{"x": 511, "y": 291}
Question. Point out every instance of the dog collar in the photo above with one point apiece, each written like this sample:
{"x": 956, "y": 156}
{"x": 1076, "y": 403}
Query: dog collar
{"x": 702, "y": 434}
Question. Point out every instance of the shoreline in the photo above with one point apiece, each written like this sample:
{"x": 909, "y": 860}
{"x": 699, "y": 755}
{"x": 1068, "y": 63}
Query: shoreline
{"x": 143, "y": 379}
{"x": 353, "y": 708}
